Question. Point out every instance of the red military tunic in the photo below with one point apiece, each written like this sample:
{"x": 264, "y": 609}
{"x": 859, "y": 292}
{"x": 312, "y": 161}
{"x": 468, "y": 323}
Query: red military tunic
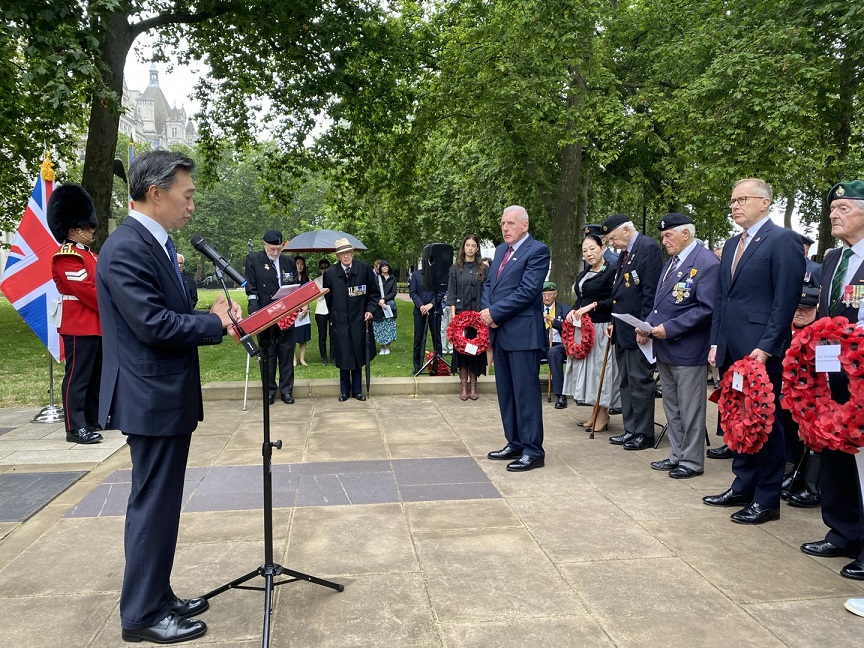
{"x": 74, "y": 271}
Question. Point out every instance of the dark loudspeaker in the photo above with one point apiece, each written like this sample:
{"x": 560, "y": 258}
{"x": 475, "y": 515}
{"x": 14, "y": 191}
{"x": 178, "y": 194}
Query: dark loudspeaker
{"x": 437, "y": 259}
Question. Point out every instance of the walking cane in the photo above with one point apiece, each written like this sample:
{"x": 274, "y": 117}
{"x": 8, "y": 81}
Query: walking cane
{"x": 600, "y": 387}
{"x": 246, "y": 386}
{"x": 549, "y": 368}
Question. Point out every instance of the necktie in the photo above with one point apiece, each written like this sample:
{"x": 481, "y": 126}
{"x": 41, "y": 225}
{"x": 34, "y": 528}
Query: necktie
{"x": 172, "y": 252}
{"x": 347, "y": 273}
{"x": 548, "y": 310}
{"x": 672, "y": 265}
{"x": 738, "y": 252}
{"x": 623, "y": 259}
{"x": 837, "y": 281}
{"x": 504, "y": 260}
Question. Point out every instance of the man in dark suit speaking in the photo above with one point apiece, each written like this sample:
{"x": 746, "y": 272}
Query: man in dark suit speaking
{"x": 513, "y": 309}
{"x": 757, "y": 294}
{"x": 151, "y": 386}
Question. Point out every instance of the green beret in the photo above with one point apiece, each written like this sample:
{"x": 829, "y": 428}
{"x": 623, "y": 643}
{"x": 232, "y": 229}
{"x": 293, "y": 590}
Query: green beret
{"x": 853, "y": 190}
{"x": 615, "y": 220}
{"x": 549, "y": 285}
{"x": 673, "y": 220}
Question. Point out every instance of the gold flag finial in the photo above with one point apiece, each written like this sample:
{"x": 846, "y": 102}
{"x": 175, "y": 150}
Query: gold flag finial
{"x": 47, "y": 168}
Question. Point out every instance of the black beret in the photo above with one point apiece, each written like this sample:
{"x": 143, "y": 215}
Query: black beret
{"x": 673, "y": 220}
{"x": 809, "y": 296}
{"x": 70, "y": 207}
{"x": 854, "y": 190}
{"x": 273, "y": 237}
{"x": 384, "y": 262}
{"x": 593, "y": 230}
{"x": 615, "y": 220}
{"x": 806, "y": 240}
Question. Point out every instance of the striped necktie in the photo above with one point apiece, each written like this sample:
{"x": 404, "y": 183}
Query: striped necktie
{"x": 837, "y": 281}
{"x": 672, "y": 265}
{"x": 172, "y": 252}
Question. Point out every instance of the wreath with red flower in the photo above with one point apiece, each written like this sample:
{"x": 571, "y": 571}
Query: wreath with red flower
{"x": 467, "y": 328}
{"x": 746, "y": 416}
{"x": 822, "y": 422}
{"x": 288, "y": 322}
{"x": 586, "y": 338}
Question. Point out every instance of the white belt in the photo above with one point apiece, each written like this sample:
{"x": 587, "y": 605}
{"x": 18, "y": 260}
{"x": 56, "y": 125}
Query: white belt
{"x": 68, "y": 298}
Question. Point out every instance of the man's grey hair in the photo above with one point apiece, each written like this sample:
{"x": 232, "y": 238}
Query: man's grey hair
{"x": 859, "y": 203}
{"x": 762, "y": 188}
{"x": 180, "y": 258}
{"x": 520, "y": 212}
{"x": 686, "y": 227}
{"x": 156, "y": 168}
{"x": 629, "y": 225}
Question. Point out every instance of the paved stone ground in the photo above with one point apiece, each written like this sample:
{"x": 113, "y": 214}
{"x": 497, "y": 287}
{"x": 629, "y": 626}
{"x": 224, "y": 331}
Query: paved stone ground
{"x": 436, "y": 545}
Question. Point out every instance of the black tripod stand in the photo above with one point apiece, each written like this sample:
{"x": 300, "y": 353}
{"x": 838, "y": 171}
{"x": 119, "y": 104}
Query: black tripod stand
{"x": 269, "y": 570}
{"x": 435, "y": 323}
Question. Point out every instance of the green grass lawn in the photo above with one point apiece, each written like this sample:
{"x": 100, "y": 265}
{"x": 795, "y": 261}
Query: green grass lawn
{"x": 25, "y": 360}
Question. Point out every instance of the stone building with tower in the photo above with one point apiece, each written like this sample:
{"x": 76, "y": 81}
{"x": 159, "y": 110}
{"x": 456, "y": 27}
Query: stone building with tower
{"x": 149, "y": 117}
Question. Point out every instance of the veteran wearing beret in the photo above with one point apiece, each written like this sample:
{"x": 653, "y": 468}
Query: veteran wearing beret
{"x": 842, "y": 296}
{"x": 554, "y": 313}
{"x": 681, "y": 318}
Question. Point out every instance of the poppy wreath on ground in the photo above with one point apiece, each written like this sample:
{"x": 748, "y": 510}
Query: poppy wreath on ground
{"x": 467, "y": 328}
{"x": 437, "y": 368}
{"x": 288, "y": 322}
{"x": 746, "y": 416}
{"x": 568, "y": 337}
{"x": 822, "y": 422}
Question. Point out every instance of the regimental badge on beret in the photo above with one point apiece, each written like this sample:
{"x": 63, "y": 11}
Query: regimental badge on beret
{"x": 840, "y": 191}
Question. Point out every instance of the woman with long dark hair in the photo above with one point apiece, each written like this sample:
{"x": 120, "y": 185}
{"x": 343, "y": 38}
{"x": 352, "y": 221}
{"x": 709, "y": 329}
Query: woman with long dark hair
{"x": 384, "y": 327}
{"x": 302, "y": 326}
{"x": 464, "y": 289}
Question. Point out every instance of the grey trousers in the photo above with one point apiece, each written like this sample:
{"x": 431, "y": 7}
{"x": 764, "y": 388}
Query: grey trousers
{"x": 685, "y": 397}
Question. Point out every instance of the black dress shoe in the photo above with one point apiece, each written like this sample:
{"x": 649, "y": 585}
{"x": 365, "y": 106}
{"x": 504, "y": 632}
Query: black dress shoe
{"x": 525, "y": 463}
{"x": 360, "y": 397}
{"x": 640, "y": 442}
{"x": 854, "y": 570}
{"x": 343, "y": 398}
{"x": 581, "y": 403}
{"x": 171, "y": 629}
{"x": 684, "y": 472}
{"x": 720, "y": 453}
{"x": 271, "y": 399}
{"x": 621, "y": 439}
{"x": 755, "y": 514}
{"x": 726, "y": 499}
{"x": 614, "y": 411}
{"x": 507, "y": 452}
{"x": 804, "y": 499}
{"x": 666, "y": 464}
{"x": 288, "y": 399}
{"x": 188, "y": 607}
{"x": 825, "y": 549}
{"x": 786, "y": 485}
{"x": 561, "y": 402}
{"x": 95, "y": 427}
{"x": 83, "y": 435}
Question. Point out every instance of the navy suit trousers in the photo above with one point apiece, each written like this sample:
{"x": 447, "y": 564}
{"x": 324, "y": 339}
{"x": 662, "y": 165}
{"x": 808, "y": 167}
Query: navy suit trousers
{"x": 520, "y": 399}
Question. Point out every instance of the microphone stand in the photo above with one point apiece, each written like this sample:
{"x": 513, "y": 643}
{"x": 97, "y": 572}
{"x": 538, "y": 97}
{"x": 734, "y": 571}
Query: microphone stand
{"x": 269, "y": 570}
{"x": 434, "y": 323}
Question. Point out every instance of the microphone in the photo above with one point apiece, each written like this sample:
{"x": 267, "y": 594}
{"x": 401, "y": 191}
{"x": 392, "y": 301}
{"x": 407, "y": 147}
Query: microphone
{"x": 218, "y": 260}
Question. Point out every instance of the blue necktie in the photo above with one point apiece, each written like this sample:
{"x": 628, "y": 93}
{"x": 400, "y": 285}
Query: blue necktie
{"x": 172, "y": 252}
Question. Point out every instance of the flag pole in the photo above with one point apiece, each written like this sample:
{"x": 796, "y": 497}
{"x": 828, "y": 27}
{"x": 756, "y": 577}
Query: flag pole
{"x": 51, "y": 413}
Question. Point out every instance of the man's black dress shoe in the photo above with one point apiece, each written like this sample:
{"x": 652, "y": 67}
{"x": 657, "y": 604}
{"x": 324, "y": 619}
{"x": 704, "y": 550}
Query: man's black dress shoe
{"x": 720, "y": 453}
{"x": 726, "y": 499}
{"x": 614, "y": 411}
{"x": 786, "y": 485}
{"x": 188, "y": 607}
{"x": 360, "y": 397}
{"x": 288, "y": 399}
{"x": 684, "y": 472}
{"x": 666, "y": 464}
{"x": 343, "y": 398}
{"x": 507, "y": 452}
{"x": 640, "y": 442}
{"x": 83, "y": 435}
{"x": 271, "y": 399}
{"x": 95, "y": 428}
{"x": 525, "y": 463}
{"x": 581, "y": 403}
{"x": 561, "y": 402}
{"x": 621, "y": 439}
{"x": 171, "y": 629}
{"x": 804, "y": 499}
{"x": 825, "y": 549}
{"x": 755, "y": 514}
{"x": 854, "y": 570}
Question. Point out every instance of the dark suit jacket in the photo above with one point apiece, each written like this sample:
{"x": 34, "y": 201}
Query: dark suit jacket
{"x": 815, "y": 270}
{"x": 419, "y": 295}
{"x": 515, "y": 299}
{"x": 754, "y": 309}
{"x": 643, "y": 264}
{"x": 686, "y": 319}
{"x": 347, "y": 330}
{"x": 191, "y": 289}
{"x": 261, "y": 280}
{"x": 150, "y": 379}
{"x": 596, "y": 289}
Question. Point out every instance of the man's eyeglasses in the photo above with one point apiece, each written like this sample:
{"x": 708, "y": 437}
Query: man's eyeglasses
{"x": 742, "y": 200}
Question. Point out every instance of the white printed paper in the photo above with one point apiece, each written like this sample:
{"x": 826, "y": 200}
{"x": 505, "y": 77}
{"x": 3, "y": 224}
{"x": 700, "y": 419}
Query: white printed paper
{"x": 828, "y": 358}
{"x": 634, "y": 322}
{"x": 470, "y": 349}
{"x": 647, "y": 350}
{"x": 388, "y": 312}
{"x": 737, "y": 381}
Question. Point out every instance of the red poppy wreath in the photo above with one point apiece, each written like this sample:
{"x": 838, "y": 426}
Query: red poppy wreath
{"x": 568, "y": 337}
{"x": 746, "y": 416}
{"x": 822, "y": 422}
{"x": 468, "y": 329}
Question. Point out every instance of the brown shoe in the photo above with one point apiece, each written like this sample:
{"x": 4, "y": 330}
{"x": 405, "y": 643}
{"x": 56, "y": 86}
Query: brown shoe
{"x": 463, "y": 382}
{"x": 472, "y": 393}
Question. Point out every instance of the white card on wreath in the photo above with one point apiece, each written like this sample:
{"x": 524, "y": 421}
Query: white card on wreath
{"x": 828, "y": 358}
{"x": 471, "y": 349}
{"x": 737, "y": 381}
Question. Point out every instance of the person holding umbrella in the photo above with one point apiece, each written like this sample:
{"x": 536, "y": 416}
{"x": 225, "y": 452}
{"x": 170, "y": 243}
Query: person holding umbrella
{"x": 351, "y": 302}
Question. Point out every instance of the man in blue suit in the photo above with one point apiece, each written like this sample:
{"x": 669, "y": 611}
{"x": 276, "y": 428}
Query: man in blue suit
{"x": 513, "y": 310}
{"x": 681, "y": 318}
{"x": 151, "y": 386}
{"x": 757, "y": 294}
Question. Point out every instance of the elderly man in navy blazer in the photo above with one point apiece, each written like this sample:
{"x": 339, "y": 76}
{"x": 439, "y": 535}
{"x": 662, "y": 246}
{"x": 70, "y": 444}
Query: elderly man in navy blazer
{"x": 681, "y": 319}
{"x": 513, "y": 309}
{"x": 757, "y": 294}
{"x": 151, "y": 386}
{"x": 633, "y": 293}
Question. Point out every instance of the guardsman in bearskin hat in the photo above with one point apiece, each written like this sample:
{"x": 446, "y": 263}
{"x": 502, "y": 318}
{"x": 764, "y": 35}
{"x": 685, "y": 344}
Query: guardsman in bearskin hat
{"x": 72, "y": 220}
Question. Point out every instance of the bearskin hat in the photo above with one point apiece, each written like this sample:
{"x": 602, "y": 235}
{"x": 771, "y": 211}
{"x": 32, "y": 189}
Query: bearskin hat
{"x": 69, "y": 207}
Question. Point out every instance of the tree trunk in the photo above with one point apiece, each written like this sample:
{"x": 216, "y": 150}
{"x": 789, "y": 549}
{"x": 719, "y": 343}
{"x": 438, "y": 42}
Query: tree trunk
{"x": 790, "y": 209}
{"x": 564, "y": 257}
{"x": 98, "y": 172}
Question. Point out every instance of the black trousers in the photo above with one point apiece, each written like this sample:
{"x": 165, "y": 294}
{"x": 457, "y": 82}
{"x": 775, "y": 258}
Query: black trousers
{"x": 322, "y": 322}
{"x": 420, "y": 330}
{"x": 556, "y": 356}
{"x": 280, "y": 350}
{"x": 80, "y": 386}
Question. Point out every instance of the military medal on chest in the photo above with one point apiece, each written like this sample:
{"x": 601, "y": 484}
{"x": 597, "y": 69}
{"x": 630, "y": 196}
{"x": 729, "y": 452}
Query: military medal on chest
{"x": 853, "y": 295}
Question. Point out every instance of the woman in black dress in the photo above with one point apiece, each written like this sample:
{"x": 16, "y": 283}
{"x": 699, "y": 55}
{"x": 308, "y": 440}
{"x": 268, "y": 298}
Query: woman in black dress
{"x": 464, "y": 289}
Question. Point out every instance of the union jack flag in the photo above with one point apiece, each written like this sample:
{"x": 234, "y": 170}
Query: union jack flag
{"x": 27, "y": 281}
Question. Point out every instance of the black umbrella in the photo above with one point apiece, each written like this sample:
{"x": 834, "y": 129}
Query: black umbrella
{"x": 320, "y": 241}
